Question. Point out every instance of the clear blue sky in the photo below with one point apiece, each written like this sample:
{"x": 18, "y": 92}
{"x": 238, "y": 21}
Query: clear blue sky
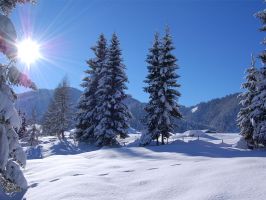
{"x": 213, "y": 40}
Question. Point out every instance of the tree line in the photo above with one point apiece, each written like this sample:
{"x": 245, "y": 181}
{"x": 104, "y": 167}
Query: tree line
{"x": 102, "y": 115}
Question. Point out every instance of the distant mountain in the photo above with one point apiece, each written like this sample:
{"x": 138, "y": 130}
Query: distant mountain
{"x": 40, "y": 100}
{"x": 218, "y": 114}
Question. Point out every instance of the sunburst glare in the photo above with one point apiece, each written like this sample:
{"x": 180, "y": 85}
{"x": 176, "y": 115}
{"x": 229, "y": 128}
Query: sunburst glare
{"x": 28, "y": 51}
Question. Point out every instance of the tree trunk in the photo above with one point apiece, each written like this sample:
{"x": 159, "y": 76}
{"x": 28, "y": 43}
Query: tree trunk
{"x": 62, "y": 135}
{"x": 157, "y": 140}
{"x": 162, "y": 139}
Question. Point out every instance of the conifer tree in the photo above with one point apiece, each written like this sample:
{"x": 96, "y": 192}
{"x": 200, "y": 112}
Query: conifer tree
{"x": 48, "y": 125}
{"x": 87, "y": 112}
{"x": 113, "y": 115}
{"x": 162, "y": 107}
{"x": 63, "y": 108}
{"x": 258, "y": 102}
{"x": 58, "y": 117}
{"x": 244, "y": 117}
{"x": 153, "y": 60}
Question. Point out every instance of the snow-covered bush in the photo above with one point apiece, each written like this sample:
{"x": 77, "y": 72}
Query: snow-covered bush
{"x": 145, "y": 139}
{"x": 33, "y": 132}
{"x": 194, "y": 133}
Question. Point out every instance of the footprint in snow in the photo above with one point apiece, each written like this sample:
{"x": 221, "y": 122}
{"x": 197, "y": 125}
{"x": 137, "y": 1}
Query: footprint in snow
{"x": 54, "y": 180}
{"x": 105, "y": 174}
{"x": 33, "y": 185}
{"x": 130, "y": 170}
{"x": 175, "y": 164}
{"x": 153, "y": 168}
{"x": 77, "y": 174}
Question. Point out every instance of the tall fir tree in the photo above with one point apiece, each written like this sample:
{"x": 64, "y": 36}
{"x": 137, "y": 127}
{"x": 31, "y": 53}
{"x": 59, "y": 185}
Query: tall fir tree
{"x": 258, "y": 102}
{"x": 63, "y": 107}
{"x": 162, "y": 107}
{"x": 153, "y": 60}
{"x": 58, "y": 116}
{"x": 244, "y": 117}
{"x": 113, "y": 115}
{"x": 87, "y": 112}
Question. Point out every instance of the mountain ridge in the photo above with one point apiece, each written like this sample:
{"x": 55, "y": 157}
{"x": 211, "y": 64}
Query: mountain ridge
{"x": 218, "y": 114}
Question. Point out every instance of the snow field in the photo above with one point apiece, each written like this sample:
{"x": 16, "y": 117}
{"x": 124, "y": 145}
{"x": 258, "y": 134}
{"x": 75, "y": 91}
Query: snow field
{"x": 194, "y": 169}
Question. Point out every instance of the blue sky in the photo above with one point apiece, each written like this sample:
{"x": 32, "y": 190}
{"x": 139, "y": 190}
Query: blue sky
{"x": 213, "y": 40}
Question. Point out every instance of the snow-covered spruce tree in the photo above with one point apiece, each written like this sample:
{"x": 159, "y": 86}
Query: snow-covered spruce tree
{"x": 12, "y": 155}
{"x": 87, "y": 112}
{"x": 151, "y": 119}
{"x": 258, "y": 107}
{"x": 163, "y": 106}
{"x": 244, "y": 116}
{"x": 258, "y": 102}
{"x": 113, "y": 115}
{"x": 58, "y": 116}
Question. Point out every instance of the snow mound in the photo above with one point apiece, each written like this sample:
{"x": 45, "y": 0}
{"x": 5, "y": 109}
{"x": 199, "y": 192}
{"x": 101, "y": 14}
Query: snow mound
{"x": 241, "y": 144}
{"x": 194, "y": 133}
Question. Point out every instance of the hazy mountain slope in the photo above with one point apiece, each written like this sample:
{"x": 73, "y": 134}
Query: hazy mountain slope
{"x": 218, "y": 114}
{"x": 40, "y": 100}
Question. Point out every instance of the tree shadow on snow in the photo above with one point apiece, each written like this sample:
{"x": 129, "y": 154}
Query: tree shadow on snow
{"x": 136, "y": 152}
{"x": 64, "y": 147}
{"x": 34, "y": 152}
{"x": 206, "y": 149}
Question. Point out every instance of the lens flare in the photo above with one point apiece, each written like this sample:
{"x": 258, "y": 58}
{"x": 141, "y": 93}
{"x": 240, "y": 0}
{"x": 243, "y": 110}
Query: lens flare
{"x": 28, "y": 51}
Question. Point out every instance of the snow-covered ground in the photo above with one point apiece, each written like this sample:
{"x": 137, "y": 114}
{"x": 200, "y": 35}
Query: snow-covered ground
{"x": 186, "y": 169}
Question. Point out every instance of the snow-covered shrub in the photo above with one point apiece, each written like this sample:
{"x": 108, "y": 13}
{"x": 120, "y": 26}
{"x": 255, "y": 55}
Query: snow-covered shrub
{"x": 194, "y": 133}
{"x": 145, "y": 139}
{"x": 33, "y": 132}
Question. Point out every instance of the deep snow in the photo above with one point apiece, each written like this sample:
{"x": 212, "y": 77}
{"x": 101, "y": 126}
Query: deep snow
{"x": 205, "y": 169}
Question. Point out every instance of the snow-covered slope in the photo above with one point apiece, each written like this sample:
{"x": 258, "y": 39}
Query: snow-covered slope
{"x": 204, "y": 169}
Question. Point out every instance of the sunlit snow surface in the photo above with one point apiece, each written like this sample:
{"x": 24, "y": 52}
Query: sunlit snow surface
{"x": 205, "y": 169}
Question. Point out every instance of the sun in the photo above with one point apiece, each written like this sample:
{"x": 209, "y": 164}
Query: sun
{"x": 28, "y": 51}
